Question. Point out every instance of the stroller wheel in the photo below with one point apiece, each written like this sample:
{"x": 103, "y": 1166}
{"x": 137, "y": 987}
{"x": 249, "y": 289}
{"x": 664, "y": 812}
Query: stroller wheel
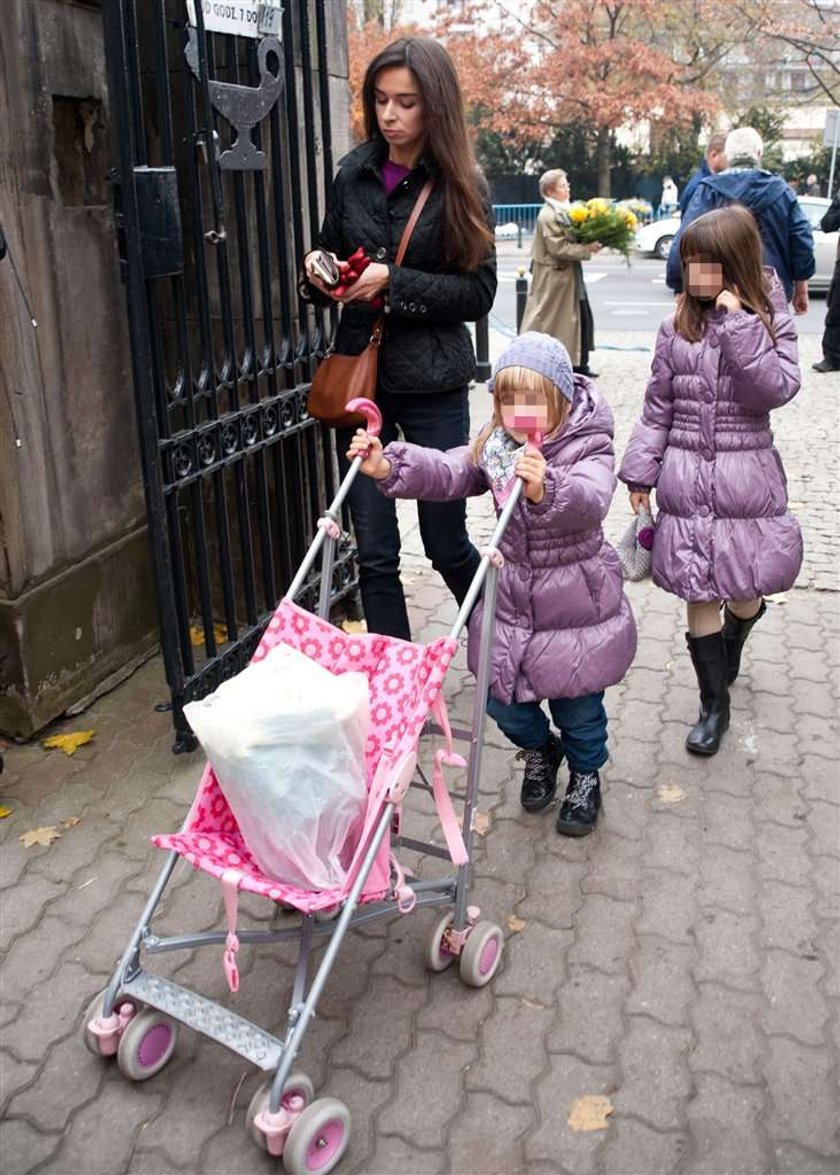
{"x": 92, "y": 1012}
{"x": 146, "y": 1045}
{"x": 297, "y": 1085}
{"x": 319, "y": 1138}
{"x": 482, "y": 954}
{"x": 438, "y": 958}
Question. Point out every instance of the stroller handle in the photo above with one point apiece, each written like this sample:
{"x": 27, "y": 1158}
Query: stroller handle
{"x": 371, "y": 413}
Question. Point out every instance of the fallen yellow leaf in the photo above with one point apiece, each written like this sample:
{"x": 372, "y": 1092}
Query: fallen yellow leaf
{"x": 71, "y": 822}
{"x": 4, "y": 812}
{"x": 515, "y": 924}
{"x": 533, "y": 1004}
{"x": 670, "y": 793}
{"x": 354, "y": 625}
{"x": 197, "y": 634}
{"x": 590, "y": 1112}
{"x": 39, "y": 836}
{"x": 69, "y": 743}
{"x": 481, "y": 823}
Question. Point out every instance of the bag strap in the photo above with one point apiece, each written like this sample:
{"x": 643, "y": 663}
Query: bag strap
{"x": 419, "y": 205}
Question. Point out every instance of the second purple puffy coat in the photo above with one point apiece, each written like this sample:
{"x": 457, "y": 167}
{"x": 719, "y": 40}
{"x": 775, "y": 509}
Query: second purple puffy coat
{"x": 564, "y": 627}
{"x": 723, "y": 529}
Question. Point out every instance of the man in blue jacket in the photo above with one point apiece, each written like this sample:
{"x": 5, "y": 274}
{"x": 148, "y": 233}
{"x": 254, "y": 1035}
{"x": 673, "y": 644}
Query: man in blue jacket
{"x": 714, "y": 161}
{"x": 785, "y": 231}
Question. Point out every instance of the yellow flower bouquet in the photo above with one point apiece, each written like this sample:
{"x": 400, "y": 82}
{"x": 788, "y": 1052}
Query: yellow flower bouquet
{"x": 599, "y": 220}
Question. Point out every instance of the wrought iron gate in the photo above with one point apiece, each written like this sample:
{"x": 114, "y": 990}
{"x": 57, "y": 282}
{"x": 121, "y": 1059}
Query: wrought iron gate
{"x": 222, "y": 144}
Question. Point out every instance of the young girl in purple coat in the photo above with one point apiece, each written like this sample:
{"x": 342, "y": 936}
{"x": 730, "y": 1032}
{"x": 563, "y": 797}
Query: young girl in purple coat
{"x": 724, "y": 536}
{"x": 564, "y": 630}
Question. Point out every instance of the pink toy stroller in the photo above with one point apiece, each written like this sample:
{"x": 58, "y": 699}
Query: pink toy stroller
{"x": 135, "y": 1018}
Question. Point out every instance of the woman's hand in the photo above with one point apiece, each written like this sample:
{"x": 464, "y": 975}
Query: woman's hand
{"x": 371, "y": 282}
{"x": 728, "y": 300}
{"x": 640, "y": 501}
{"x": 313, "y": 278}
{"x": 595, "y": 246}
{"x": 531, "y": 468}
{"x": 374, "y": 464}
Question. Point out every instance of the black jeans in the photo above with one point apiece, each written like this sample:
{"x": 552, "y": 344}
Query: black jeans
{"x": 436, "y": 420}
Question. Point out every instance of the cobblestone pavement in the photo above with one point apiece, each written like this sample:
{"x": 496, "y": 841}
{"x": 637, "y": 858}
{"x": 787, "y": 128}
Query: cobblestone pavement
{"x": 681, "y": 962}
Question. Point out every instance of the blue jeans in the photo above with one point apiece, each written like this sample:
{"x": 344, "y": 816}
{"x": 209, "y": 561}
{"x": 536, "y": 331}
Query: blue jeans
{"x": 436, "y": 420}
{"x": 580, "y": 722}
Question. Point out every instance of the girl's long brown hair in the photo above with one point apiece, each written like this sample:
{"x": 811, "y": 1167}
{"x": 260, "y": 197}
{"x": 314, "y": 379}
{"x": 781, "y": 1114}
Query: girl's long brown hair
{"x": 467, "y": 235}
{"x": 730, "y": 237}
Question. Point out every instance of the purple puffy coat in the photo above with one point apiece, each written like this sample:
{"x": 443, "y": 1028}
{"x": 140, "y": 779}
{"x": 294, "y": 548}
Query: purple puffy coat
{"x": 723, "y": 531}
{"x": 564, "y": 627}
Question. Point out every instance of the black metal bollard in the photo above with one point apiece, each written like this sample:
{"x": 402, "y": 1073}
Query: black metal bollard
{"x": 521, "y": 297}
{"x": 482, "y": 350}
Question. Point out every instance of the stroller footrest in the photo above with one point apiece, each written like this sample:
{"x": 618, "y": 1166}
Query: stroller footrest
{"x": 205, "y": 1016}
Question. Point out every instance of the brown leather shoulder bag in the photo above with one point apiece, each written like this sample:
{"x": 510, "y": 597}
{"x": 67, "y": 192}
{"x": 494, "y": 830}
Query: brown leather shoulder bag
{"x": 340, "y": 378}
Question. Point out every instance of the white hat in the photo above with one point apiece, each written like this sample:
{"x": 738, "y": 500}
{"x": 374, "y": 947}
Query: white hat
{"x": 743, "y": 143}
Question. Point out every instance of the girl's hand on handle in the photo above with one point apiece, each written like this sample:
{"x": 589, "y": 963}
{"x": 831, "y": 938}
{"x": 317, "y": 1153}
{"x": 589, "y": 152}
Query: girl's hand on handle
{"x": 364, "y": 445}
{"x": 728, "y": 300}
{"x": 640, "y": 501}
{"x": 531, "y": 468}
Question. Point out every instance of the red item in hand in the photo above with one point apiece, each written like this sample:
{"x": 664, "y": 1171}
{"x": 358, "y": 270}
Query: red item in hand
{"x": 351, "y": 270}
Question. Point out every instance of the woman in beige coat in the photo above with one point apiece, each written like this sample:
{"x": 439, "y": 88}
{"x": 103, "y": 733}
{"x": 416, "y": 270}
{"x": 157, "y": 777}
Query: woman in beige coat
{"x": 557, "y": 302}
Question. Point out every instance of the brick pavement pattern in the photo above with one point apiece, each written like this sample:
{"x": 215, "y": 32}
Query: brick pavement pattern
{"x": 683, "y": 961}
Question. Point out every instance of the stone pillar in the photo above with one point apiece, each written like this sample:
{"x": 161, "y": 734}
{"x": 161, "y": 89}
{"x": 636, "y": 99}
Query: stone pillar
{"x": 77, "y": 607}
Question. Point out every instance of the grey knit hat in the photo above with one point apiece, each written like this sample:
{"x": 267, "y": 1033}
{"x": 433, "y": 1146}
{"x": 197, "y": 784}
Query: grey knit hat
{"x": 540, "y": 353}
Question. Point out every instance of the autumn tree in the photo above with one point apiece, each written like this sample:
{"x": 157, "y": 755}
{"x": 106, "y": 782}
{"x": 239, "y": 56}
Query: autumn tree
{"x": 803, "y": 32}
{"x": 591, "y": 63}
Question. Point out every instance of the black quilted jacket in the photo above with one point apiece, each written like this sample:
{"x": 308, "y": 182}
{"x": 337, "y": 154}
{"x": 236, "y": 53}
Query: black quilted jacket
{"x": 425, "y": 345}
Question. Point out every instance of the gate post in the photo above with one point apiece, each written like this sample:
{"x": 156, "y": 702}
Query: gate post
{"x": 121, "y": 54}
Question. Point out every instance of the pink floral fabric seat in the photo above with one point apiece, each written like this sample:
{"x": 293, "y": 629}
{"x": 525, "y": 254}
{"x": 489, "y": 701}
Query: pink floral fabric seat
{"x": 405, "y": 681}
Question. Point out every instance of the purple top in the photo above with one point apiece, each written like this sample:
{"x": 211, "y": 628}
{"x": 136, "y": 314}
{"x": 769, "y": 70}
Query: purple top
{"x": 393, "y": 174}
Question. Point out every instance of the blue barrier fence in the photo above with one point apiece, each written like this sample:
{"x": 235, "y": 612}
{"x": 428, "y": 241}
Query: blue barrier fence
{"x": 513, "y": 220}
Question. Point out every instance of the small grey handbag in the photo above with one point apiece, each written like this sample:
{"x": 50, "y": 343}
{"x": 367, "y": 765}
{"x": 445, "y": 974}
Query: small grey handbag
{"x": 635, "y": 547}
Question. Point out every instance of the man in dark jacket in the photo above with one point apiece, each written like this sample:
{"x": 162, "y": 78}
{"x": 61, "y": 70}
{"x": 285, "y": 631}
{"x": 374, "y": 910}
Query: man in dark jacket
{"x": 830, "y": 361}
{"x": 785, "y": 231}
{"x": 714, "y": 161}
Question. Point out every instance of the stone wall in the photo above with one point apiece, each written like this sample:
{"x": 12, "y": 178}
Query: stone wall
{"x": 76, "y": 602}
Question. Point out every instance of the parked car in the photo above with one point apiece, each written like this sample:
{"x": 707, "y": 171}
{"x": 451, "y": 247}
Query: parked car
{"x": 825, "y": 244}
{"x": 654, "y": 240}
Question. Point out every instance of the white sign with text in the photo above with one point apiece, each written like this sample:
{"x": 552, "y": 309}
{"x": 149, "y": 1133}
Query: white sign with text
{"x": 239, "y": 18}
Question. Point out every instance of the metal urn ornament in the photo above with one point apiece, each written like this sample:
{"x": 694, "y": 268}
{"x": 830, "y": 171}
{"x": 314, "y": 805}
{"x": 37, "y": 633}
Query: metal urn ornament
{"x": 244, "y": 107}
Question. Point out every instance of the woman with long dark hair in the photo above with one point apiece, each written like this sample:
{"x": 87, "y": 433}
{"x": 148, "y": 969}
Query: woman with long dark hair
{"x": 416, "y": 131}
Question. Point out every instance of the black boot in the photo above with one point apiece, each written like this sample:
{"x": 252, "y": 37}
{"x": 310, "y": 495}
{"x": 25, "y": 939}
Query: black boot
{"x": 579, "y": 811}
{"x": 708, "y": 655}
{"x": 540, "y": 782}
{"x": 735, "y": 633}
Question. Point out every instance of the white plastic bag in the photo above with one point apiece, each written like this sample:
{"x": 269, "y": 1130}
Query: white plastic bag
{"x": 286, "y": 740}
